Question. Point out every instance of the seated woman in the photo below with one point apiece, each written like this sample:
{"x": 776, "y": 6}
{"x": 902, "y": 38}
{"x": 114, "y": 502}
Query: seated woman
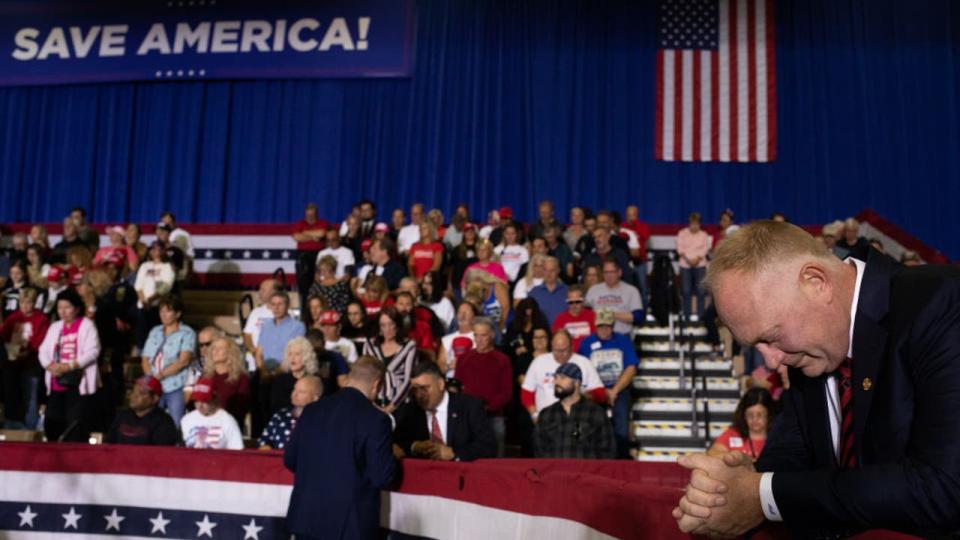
{"x": 227, "y": 372}
{"x": 397, "y": 352}
{"x": 299, "y": 360}
{"x": 751, "y": 421}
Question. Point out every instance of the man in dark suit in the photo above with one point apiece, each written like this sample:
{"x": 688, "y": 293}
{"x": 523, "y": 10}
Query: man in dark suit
{"x": 867, "y": 438}
{"x": 441, "y": 425}
{"x": 341, "y": 457}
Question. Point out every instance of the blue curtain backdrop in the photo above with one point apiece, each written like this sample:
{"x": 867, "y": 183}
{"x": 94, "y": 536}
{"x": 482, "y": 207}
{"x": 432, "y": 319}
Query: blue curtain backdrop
{"x": 512, "y": 101}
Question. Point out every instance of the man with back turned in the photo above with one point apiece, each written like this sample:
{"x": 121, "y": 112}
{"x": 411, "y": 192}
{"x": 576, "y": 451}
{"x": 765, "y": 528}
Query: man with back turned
{"x": 341, "y": 457}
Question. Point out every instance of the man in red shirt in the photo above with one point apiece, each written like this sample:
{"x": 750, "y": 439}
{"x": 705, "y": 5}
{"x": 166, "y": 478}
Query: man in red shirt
{"x": 642, "y": 231}
{"x": 22, "y": 334}
{"x": 486, "y": 374}
{"x": 577, "y": 320}
{"x": 309, "y": 233}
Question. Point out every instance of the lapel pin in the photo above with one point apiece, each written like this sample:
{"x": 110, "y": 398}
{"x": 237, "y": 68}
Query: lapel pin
{"x": 867, "y": 384}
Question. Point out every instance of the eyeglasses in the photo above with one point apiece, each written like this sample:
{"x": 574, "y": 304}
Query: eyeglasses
{"x": 574, "y": 301}
{"x": 205, "y": 344}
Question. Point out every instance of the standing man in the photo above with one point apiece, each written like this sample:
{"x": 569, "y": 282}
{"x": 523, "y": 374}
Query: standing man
{"x": 620, "y": 297}
{"x": 642, "y": 230}
{"x": 615, "y": 358}
{"x": 410, "y": 234}
{"x": 309, "y": 234}
{"x": 487, "y": 375}
{"x": 337, "y": 479}
{"x": 551, "y": 296}
{"x": 867, "y": 436}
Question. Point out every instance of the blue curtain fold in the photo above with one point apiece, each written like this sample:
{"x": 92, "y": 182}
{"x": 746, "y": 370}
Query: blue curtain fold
{"x": 511, "y": 102}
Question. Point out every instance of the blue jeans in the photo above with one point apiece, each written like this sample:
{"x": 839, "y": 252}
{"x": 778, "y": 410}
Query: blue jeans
{"x": 640, "y": 271}
{"x": 175, "y": 405}
{"x": 621, "y": 423}
{"x": 690, "y": 279}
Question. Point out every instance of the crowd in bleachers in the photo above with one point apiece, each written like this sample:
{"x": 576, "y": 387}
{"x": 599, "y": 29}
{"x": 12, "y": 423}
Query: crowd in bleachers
{"x": 531, "y": 323}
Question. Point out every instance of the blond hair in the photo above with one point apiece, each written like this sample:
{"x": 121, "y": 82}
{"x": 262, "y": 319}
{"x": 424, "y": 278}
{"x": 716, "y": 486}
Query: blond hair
{"x": 755, "y": 246}
{"x": 236, "y": 366}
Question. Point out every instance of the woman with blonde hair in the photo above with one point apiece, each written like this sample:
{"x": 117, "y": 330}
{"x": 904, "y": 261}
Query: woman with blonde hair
{"x": 427, "y": 254}
{"x": 532, "y": 278}
{"x": 299, "y": 360}
{"x": 231, "y": 382}
{"x": 492, "y": 293}
{"x": 38, "y": 235}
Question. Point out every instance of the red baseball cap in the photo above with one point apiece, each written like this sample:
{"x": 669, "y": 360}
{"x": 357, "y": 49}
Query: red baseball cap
{"x": 329, "y": 317}
{"x": 55, "y": 274}
{"x": 461, "y": 345}
{"x": 505, "y": 212}
{"x": 150, "y": 383}
{"x": 202, "y": 390}
{"x": 469, "y": 226}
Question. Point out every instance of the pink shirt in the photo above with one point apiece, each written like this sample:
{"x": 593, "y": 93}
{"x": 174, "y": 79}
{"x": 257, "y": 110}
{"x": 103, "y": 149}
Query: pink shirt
{"x": 84, "y": 347}
{"x": 493, "y": 268}
{"x": 692, "y": 245}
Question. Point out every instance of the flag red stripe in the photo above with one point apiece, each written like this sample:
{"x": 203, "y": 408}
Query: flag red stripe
{"x": 734, "y": 109}
{"x": 771, "y": 84}
{"x": 658, "y": 143}
{"x": 752, "y": 78}
{"x": 677, "y": 105}
{"x": 697, "y": 91}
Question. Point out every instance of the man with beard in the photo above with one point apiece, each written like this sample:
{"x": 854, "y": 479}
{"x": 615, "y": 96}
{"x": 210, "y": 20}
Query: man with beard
{"x": 573, "y": 428}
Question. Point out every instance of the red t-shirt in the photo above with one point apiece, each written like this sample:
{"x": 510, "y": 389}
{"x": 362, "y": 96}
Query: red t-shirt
{"x": 422, "y": 336}
{"x": 302, "y": 226}
{"x": 579, "y": 327}
{"x": 372, "y": 306}
{"x": 737, "y": 443}
{"x": 422, "y": 256}
{"x": 643, "y": 235}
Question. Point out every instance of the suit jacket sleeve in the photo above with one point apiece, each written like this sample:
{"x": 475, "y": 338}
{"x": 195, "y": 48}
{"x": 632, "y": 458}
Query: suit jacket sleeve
{"x": 378, "y": 447}
{"x": 918, "y": 492}
{"x": 409, "y": 416}
{"x": 785, "y": 449}
{"x": 481, "y": 442}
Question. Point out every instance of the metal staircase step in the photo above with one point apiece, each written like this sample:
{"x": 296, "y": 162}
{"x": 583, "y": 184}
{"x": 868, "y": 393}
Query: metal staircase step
{"x": 661, "y": 346}
{"x": 718, "y": 406}
{"x": 661, "y": 455}
{"x": 666, "y": 366}
{"x": 649, "y": 430}
{"x": 697, "y": 444}
{"x": 664, "y": 331}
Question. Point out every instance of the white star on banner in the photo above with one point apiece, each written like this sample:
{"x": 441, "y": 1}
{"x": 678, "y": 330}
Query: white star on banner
{"x": 286, "y": 254}
{"x": 159, "y": 524}
{"x": 251, "y": 531}
{"x": 227, "y": 254}
{"x": 246, "y": 254}
{"x": 205, "y": 527}
{"x": 26, "y": 517}
{"x": 113, "y": 520}
{"x": 71, "y": 519}
{"x": 266, "y": 254}
{"x": 208, "y": 254}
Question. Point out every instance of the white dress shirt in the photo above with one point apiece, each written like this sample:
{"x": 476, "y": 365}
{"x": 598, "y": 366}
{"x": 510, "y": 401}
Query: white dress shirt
{"x": 834, "y": 414}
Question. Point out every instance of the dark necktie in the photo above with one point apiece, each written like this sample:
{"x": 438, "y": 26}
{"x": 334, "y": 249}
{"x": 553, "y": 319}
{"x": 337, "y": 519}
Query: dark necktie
{"x": 848, "y": 459}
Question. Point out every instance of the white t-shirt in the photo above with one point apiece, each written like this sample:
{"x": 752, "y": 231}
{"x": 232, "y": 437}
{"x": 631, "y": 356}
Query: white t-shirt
{"x": 444, "y": 311}
{"x": 154, "y": 278}
{"x": 539, "y": 378}
{"x": 408, "y": 236}
{"x": 447, "y": 343}
{"x": 624, "y": 297}
{"x": 512, "y": 258}
{"x": 343, "y": 255}
{"x": 520, "y": 290}
{"x": 345, "y": 347}
{"x": 253, "y": 326}
{"x": 219, "y": 430}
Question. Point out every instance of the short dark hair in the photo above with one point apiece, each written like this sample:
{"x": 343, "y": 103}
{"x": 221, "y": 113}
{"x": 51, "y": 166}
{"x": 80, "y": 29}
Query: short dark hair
{"x": 397, "y": 319}
{"x": 385, "y": 244}
{"x": 426, "y": 367}
{"x": 79, "y": 209}
{"x": 367, "y": 201}
{"x": 398, "y": 294}
{"x": 170, "y": 214}
{"x": 73, "y": 297}
{"x": 172, "y": 303}
{"x": 368, "y": 368}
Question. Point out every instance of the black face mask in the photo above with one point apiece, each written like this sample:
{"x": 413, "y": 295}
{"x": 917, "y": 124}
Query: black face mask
{"x": 561, "y": 392}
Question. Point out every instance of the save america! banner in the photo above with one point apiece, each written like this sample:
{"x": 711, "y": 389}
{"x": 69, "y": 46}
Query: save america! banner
{"x": 64, "y": 41}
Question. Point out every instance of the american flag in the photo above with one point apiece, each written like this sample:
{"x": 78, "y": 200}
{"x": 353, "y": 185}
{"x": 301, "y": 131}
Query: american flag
{"x": 716, "y": 82}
